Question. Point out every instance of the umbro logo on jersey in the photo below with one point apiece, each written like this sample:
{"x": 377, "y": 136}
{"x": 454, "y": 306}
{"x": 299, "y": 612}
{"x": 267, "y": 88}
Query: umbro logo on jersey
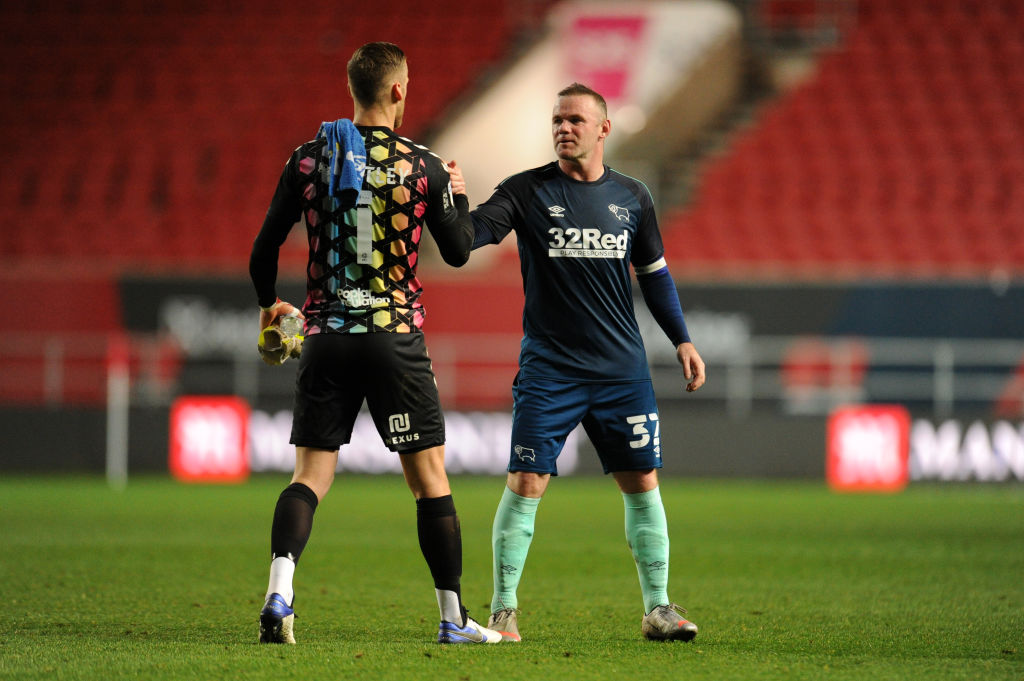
{"x": 619, "y": 212}
{"x": 556, "y": 211}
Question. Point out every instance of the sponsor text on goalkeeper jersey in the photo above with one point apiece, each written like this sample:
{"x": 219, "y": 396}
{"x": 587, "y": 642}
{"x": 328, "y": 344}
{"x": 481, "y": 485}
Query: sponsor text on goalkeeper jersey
{"x": 361, "y": 276}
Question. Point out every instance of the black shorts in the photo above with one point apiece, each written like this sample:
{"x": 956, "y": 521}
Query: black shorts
{"x": 391, "y": 371}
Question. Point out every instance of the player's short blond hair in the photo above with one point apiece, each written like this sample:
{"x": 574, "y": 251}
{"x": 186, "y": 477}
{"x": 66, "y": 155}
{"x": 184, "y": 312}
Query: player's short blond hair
{"x": 370, "y": 69}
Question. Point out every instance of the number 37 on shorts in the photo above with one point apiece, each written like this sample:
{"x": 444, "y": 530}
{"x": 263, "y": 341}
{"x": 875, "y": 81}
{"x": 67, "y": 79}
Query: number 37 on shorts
{"x": 646, "y": 428}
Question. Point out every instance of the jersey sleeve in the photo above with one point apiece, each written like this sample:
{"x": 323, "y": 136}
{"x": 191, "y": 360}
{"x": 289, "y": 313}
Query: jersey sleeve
{"x": 496, "y": 217}
{"x": 647, "y": 246}
{"x": 447, "y": 214}
{"x": 285, "y": 210}
{"x": 656, "y": 284}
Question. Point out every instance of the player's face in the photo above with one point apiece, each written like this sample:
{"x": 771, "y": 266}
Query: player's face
{"x": 577, "y": 125}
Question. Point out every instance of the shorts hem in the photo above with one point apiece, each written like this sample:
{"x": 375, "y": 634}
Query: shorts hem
{"x": 418, "y": 448}
{"x": 317, "y": 445}
{"x": 510, "y": 469}
{"x": 626, "y": 469}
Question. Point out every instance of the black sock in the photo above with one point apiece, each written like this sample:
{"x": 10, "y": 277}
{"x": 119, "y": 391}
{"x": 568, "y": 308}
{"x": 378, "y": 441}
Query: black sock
{"x": 441, "y": 541}
{"x": 293, "y": 521}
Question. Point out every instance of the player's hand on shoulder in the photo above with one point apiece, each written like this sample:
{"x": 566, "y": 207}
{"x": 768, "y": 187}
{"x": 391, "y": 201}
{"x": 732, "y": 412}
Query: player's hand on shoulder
{"x": 457, "y": 180}
{"x": 693, "y": 366}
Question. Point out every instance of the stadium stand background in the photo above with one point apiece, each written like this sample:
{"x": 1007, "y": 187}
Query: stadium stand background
{"x": 149, "y": 133}
{"x": 146, "y": 135}
{"x": 900, "y": 155}
{"x": 144, "y": 139}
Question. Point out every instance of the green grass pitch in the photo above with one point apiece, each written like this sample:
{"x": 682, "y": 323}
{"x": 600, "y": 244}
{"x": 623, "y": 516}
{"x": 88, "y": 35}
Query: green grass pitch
{"x": 785, "y": 580}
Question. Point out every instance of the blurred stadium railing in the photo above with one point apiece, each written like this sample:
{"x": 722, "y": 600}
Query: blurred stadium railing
{"x": 795, "y": 375}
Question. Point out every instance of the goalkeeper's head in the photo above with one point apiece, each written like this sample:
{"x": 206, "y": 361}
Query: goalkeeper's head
{"x": 378, "y": 78}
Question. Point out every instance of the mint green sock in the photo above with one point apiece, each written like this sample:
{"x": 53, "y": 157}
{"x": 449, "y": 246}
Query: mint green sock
{"x": 647, "y": 535}
{"x": 511, "y": 535}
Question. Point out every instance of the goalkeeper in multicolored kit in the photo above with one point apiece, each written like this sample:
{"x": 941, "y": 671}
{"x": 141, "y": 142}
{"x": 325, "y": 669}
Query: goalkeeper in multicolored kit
{"x": 365, "y": 195}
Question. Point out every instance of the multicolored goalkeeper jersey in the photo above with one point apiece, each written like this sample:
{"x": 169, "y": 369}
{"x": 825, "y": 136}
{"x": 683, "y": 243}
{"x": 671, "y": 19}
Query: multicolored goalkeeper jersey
{"x": 361, "y": 276}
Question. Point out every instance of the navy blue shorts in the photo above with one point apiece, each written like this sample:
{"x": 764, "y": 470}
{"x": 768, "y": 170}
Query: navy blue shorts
{"x": 621, "y": 420}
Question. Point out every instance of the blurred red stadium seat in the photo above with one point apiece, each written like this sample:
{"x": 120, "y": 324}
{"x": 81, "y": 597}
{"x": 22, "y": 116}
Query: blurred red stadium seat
{"x": 182, "y": 114}
{"x": 903, "y": 153}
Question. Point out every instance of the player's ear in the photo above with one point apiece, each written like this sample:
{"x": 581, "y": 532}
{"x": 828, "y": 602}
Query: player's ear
{"x": 606, "y": 128}
{"x": 397, "y": 92}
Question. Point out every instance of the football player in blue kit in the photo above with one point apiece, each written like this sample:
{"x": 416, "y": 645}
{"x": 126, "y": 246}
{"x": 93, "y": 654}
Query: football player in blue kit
{"x": 580, "y": 225}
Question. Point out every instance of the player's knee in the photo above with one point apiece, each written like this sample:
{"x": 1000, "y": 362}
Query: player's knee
{"x": 636, "y": 482}
{"x": 527, "y": 484}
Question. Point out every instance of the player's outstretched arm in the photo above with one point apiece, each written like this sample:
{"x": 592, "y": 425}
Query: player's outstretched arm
{"x": 481, "y": 235}
{"x": 448, "y": 212}
{"x": 457, "y": 180}
{"x": 693, "y": 366}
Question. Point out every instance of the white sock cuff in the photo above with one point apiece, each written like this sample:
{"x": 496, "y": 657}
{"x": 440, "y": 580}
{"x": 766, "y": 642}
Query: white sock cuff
{"x": 282, "y": 570}
{"x": 448, "y": 603}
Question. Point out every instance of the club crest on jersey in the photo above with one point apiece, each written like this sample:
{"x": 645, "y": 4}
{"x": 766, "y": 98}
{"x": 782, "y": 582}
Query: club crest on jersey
{"x": 556, "y": 211}
{"x": 620, "y": 213}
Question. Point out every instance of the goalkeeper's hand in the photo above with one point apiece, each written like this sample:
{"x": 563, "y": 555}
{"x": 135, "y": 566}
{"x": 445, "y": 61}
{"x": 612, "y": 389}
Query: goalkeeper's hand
{"x": 280, "y": 333}
{"x": 270, "y": 315}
